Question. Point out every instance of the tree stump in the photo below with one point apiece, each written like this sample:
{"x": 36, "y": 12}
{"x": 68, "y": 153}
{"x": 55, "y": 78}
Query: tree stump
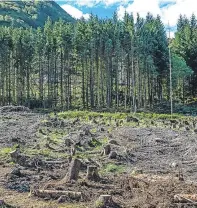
{"x": 112, "y": 155}
{"x": 73, "y": 150}
{"x": 68, "y": 142}
{"x": 92, "y": 173}
{"x": 2, "y": 203}
{"x": 107, "y": 149}
{"x": 104, "y": 201}
{"x": 74, "y": 170}
{"x": 19, "y": 158}
{"x": 112, "y": 141}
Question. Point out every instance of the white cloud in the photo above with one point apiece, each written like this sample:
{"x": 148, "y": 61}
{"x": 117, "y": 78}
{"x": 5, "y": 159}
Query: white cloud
{"x": 184, "y": 7}
{"x": 91, "y": 3}
{"x": 121, "y": 11}
{"x": 170, "y": 12}
{"x": 143, "y": 7}
{"x": 111, "y": 2}
{"x": 74, "y": 12}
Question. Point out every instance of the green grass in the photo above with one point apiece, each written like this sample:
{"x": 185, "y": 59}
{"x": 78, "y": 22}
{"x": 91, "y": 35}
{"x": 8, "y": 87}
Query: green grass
{"x": 113, "y": 168}
{"x": 5, "y": 152}
{"x": 86, "y": 114}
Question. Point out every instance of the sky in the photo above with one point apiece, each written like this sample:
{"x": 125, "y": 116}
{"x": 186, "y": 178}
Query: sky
{"x": 169, "y": 10}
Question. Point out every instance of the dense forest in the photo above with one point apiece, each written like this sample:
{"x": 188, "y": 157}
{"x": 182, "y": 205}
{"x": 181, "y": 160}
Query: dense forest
{"x": 98, "y": 64}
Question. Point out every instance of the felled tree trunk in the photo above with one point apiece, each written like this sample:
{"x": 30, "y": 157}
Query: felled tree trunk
{"x": 92, "y": 173}
{"x": 56, "y": 194}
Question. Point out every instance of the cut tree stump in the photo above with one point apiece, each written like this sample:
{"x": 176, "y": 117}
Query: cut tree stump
{"x": 57, "y": 194}
{"x": 92, "y": 173}
{"x": 112, "y": 155}
{"x": 68, "y": 142}
{"x": 107, "y": 149}
{"x": 112, "y": 141}
{"x": 104, "y": 201}
{"x": 74, "y": 170}
{"x": 73, "y": 150}
{"x": 19, "y": 158}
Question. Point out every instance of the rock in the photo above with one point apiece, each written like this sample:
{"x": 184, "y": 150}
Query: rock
{"x": 112, "y": 155}
{"x": 112, "y": 141}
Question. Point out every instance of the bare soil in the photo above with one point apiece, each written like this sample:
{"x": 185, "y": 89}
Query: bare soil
{"x": 154, "y": 162}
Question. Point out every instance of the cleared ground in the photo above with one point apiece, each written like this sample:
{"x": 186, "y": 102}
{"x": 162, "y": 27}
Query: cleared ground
{"x": 155, "y": 158}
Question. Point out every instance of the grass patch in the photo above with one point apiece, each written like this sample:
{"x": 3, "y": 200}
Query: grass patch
{"x": 46, "y": 153}
{"x": 5, "y": 152}
{"x": 113, "y": 168}
{"x": 86, "y": 114}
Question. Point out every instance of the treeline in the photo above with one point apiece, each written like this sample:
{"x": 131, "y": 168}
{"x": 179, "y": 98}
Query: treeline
{"x": 97, "y": 64}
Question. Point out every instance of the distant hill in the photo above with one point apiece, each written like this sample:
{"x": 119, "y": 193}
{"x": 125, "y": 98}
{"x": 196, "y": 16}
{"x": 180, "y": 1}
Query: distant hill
{"x": 34, "y": 13}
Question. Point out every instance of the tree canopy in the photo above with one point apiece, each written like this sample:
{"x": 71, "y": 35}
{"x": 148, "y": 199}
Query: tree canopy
{"x": 96, "y": 64}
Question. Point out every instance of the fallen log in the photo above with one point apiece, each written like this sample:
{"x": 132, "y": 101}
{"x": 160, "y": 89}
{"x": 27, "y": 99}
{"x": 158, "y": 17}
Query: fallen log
{"x": 57, "y": 194}
{"x": 185, "y": 198}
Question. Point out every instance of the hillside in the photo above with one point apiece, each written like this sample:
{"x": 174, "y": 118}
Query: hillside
{"x": 30, "y": 13}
